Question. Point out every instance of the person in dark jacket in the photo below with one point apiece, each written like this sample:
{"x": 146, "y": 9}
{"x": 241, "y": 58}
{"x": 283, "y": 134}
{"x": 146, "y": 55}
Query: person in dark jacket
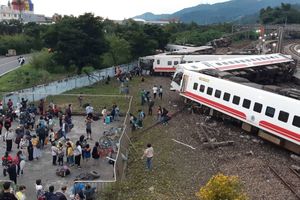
{"x": 12, "y": 172}
{"x": 30, "y": 151}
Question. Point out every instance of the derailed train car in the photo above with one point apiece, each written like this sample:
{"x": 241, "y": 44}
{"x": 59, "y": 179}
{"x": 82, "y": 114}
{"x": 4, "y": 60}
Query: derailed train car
{"x": 274, "y": 116}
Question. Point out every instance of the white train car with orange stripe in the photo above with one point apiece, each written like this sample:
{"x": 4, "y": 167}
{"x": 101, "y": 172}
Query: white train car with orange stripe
{"x": 276, "y": 116}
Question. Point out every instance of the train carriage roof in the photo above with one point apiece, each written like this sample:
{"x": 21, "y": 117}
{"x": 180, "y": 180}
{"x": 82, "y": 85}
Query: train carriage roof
{"x": 238, "y": 63}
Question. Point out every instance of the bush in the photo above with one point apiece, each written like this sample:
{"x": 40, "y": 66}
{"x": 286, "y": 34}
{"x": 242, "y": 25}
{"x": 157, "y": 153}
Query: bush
{"x": 222, "y": 187}
{"x": 87, "y": 70}
{"x": 44, "y": 60}
{"x": 21, "y": 43}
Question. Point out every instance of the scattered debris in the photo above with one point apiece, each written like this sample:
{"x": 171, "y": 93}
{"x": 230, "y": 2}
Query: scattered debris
{"x": 249, "y": 153}
{"x": 218, "y": 144}
{"x": 296, "y": 168}
{"x": 184, "y": 144}
{"x": 295, "y": 158}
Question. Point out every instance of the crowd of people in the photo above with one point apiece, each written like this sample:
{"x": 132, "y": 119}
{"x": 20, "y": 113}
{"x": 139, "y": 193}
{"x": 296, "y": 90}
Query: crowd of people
{"x": 36, "y": 128}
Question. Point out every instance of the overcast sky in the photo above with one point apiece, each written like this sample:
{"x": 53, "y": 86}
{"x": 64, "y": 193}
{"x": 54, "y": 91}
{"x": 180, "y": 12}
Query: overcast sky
{"x": 113, "y": 9}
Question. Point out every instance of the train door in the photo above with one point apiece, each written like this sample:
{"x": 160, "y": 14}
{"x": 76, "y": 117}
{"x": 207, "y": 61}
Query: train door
{"x": 184, "y": 83}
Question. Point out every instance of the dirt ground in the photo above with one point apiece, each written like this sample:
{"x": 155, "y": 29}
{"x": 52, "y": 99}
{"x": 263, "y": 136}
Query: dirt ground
{"x": 179, "y": 171}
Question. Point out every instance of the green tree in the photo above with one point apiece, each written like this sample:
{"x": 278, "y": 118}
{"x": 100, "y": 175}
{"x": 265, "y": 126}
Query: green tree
{"x": 119, "y": 51}
{"x": 77, "y": 41}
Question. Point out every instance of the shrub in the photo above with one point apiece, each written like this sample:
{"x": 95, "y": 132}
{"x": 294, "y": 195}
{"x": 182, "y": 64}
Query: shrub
{"x": 21, "y": 43}
{"x": 222, "y": 187}
{"x": 44, "y": 60}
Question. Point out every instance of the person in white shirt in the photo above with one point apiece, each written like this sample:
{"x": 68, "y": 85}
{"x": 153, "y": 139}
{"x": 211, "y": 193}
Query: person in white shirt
{"x": 148, "y": 153}
{"x": 160, "y": 92}
{"x": 89, "y": 109}
{"x": 54, "y": 151}
{"x": 77, "y": 154}
{"x": 154, "y": 91}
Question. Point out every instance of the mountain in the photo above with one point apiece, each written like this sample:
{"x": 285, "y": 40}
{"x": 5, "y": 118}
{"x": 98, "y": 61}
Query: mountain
{"x": 217, "y": 13}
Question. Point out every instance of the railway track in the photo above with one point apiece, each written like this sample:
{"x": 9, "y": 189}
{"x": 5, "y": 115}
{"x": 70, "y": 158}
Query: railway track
{"x": 293, "y": 49}
{"x": 290, "y": 178}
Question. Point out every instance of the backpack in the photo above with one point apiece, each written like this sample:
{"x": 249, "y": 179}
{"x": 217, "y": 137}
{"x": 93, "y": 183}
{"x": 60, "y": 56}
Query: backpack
{"x": 41, "y": 195}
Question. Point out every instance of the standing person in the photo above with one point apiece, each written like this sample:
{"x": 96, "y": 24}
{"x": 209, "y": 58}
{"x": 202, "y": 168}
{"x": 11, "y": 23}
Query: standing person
{"x": 148, "y": 153}
{"x": 160, "y": 92}
{"x": 88, "y": 124}
{"x": 6, "y": 194}
{"x": 54, "y": 152}
{"x": 68, "y": 112}
{"x": 80, "y": 98}
{"x": 87, "y": 152}
{"x": 104, "y": 114}
{"x": 41, "y": 133}
{"x": 30, "y": 150}
{"x": 159, "y": 113}
{"x": 150, "y": 106}
{"x": 39, "y": 188}
{"x": 36, "y": 147}
{"x": 7, "y": 122}
{"x": 70, "y": 154}
{"x": 64, "y": 128}
{"x": 41, "y": 107}
{"x": 1, "y": 107}
{"x": 5, "y": 161}
{"x": 60, "y": 154}
{"x": 50, "y": 194}
{"x": 17, "y": 162}
{"x": 89, "y": 110}
{"x": 12, "y": 171}
{"x": 154, "y": 91}
{"x": 10, "y": 105}
{"x": 1, "y": 122}
{"x": 9, "y": 136}
{"x": 95, "y": 152}
{"x": 21, "y": 193}
{"x": 77, "y": 154}
{"x": 62, "y": 194}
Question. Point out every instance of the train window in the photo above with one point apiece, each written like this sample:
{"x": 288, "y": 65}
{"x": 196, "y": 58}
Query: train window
{"x": 236, "y": 100}
{"x": 246, "y": 103}
{"x": 197, "y": 61}
{"x": 158, "y": 62}
{"x": 283, "y": 116}
{"x": 248, "y": 60}
{"x": 209, "y": 91}
{"x": 225, "y": 63}
{"x": 175, "y": 62}
{"x": 258, "y": 58}
{"x": 226, "y": 96}
{"x": 202, "y": 88}
{"x": 190, "y": 61}
{"x": 296, "y": 121}
{"x": 218, "y": 63}
{"x": 218, "y": 93}
{"x": 231, "y": 62}
{"x": 195, "y": 87}
{"x": 257, "y": 107}
{"x": 178, "y": 78}
{"x": 183, "y": 62}
{"x": 237, "y": 61}
{"x": 169, "y": 62}
{"x": 270, "y": 111}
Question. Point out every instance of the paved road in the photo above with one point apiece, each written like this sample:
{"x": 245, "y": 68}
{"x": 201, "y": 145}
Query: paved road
{"x": 8, "y": 64}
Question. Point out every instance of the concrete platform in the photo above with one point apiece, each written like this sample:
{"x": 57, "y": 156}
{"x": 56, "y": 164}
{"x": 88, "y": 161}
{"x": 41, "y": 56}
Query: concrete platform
{"x": 44, "y": 170}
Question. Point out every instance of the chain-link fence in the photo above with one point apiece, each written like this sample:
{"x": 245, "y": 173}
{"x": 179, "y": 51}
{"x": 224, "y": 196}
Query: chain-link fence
{"x": 54, "y": 88}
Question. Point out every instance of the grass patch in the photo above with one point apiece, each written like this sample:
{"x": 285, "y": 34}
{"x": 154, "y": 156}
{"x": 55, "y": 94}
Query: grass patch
{"x": 25, "y": 77}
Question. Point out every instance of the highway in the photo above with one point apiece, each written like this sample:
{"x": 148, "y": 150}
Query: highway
{"x": 8, "y": 64}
